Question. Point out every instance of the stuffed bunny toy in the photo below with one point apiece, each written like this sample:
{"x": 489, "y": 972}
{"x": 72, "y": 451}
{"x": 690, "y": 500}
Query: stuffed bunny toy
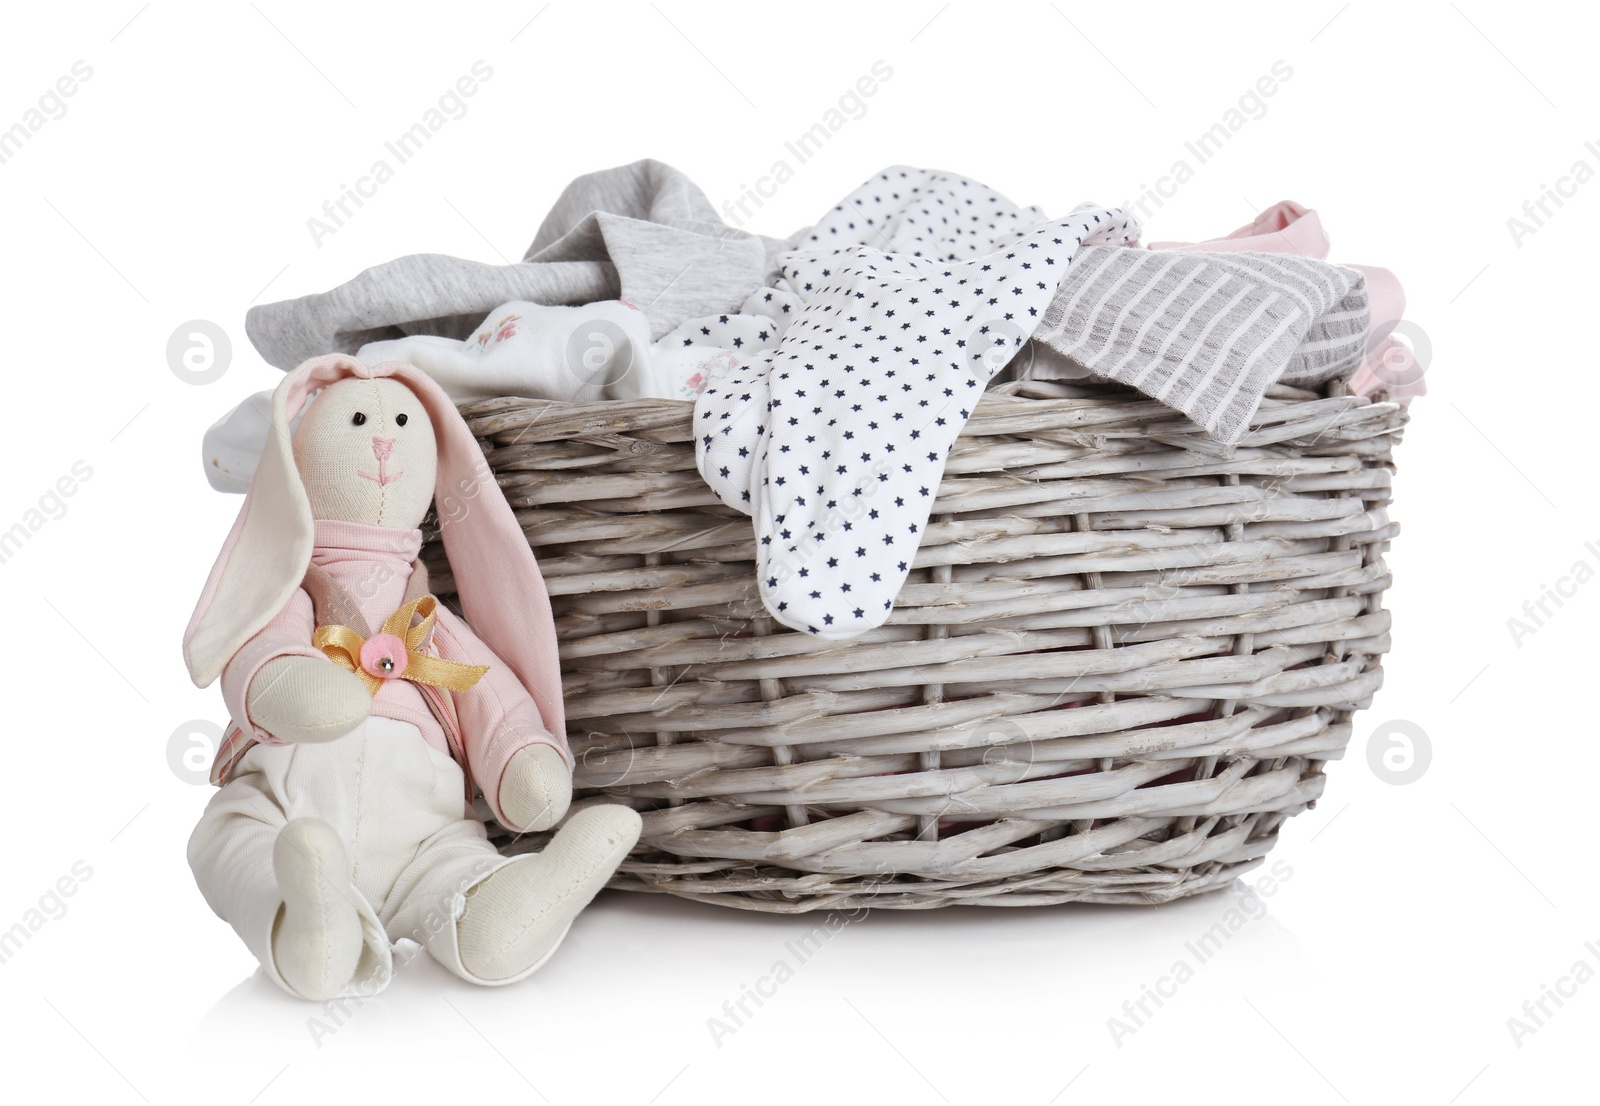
{"x": 364, "y": 711}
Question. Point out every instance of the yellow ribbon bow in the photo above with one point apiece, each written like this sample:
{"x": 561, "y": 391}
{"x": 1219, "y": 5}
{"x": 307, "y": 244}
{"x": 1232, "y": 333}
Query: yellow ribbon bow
{"x": 392, "y": 653}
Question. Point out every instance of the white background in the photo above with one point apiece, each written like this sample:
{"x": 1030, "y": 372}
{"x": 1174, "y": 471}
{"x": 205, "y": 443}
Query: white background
{"x": 1416, "y": 920}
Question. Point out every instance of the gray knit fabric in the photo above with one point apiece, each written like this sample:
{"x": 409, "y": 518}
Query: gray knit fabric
{"x": 642, "y": 232}
{"x": 1206, "y": 333}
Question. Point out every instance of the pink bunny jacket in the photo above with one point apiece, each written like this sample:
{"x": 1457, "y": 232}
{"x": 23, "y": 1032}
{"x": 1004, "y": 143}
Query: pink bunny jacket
{"x": 373, "y": 564}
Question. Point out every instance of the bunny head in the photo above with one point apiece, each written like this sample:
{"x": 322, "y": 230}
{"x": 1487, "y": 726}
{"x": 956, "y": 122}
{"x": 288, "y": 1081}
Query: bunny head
{"x": 366, "y": 453}
{"x": 376, "y": 446}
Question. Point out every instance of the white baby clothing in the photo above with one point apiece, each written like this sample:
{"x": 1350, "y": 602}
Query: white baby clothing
{"x": 571, "y": 354}
{"x": 699, "y": 350}
{"x": 231, "y": 447}
{"x": 579, "y": 354}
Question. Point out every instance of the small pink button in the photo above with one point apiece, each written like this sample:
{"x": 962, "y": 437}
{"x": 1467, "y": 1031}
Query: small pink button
{"x": 383, "y": 656}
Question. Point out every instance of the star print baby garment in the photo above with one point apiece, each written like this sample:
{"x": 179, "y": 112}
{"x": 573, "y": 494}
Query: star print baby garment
{"x": 701, "y": 349}
{"x": 913, "y": 292}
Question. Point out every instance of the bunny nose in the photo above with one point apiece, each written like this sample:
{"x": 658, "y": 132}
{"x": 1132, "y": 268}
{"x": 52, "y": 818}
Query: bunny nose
{"x": 382, "y": 447}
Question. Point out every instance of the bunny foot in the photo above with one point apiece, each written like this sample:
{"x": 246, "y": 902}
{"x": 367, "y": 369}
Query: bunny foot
{"x": 516, "y": 917}
{"x": 316, "y": 943}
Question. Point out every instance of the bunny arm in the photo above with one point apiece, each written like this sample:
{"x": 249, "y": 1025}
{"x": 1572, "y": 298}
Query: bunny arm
{"x": 498, "y": 717}
{"x": 287, "y": 635}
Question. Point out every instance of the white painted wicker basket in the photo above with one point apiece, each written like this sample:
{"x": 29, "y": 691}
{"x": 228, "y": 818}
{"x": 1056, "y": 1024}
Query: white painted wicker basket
{"x": 1120, "y": 664}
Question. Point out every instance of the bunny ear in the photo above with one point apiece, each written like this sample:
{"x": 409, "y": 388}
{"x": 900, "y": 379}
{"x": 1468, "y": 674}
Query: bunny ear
{"x": 501, "y": 589}
{"x": 269, "y": 547}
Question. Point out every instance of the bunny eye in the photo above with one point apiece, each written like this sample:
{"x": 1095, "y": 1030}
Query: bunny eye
{"x": 400, "y": 420}
{"x": 358, "y": 418}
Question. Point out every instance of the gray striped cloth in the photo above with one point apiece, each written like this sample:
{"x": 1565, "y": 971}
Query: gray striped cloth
{"x": 1205, "y": 333}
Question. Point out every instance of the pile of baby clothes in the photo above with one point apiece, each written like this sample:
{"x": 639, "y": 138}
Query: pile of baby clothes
{"x": 842, "y": 363}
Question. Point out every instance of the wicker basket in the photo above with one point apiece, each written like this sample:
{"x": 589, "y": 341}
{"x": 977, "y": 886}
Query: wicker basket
{"x": 1121, "y": 660}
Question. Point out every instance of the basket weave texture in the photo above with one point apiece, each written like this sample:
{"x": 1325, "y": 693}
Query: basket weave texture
{"x": 1121, "y": 661}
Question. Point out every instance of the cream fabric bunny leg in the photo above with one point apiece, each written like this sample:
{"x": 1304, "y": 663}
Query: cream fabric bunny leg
{"x": 267, "y": 856}
{"x": 516, "y": 917}
{"x": 316, "y": 942}
{"x": 306, "y": 848}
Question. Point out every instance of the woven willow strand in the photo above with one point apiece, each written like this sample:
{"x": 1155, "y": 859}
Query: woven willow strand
{"x": 1121, "y": 661}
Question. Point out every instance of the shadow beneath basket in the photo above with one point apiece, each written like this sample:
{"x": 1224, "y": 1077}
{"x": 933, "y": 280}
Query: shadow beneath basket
{"x": 1066, "y": 939}
{"x": 693, "y": 976}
